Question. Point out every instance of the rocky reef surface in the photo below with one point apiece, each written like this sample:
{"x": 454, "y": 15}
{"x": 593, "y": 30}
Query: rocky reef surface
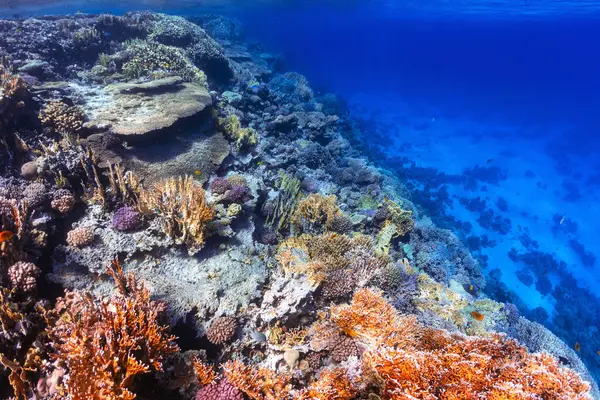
{"x": 181, "y": 217}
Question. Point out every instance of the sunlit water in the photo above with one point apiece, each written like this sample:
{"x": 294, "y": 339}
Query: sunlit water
{"x": 505, "y": 92}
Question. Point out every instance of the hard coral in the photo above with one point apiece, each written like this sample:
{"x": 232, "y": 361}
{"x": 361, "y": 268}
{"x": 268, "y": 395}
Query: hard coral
{"x": 222, "y": 330}
{"x": 23, "y": 276}
{"x": 258, "y": 384}
{"x": 126, "y": 219}
{"x": 219, "y": 391}
{"x": 103, "y": 345}
{"x": 315, "y": 212}
{"x": 241, "y": 137}
{"x": 64, "y": 119}
{"x": 182, "y": 206}
{"x": 220, "y": 186}
{"x": 80, "y": 237}
{"x": 238, "y": 194}
{"x": 63, "y": 201}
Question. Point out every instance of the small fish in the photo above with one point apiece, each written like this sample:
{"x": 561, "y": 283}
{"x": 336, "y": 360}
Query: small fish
{"x": 598, "y": 352}
{"x": 489, "y": 160}
{"x": 477, "y": 315}
{"x": 197, "y": 172}
{"x": 562, "y": 220}
{"x": 6, "y": 236}
{"x": 258, "y": 336}
{"x": 577, "y": 346}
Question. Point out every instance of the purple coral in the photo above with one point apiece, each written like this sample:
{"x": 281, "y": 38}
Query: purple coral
{"x": 238, "y": 194}
{"x": 219, "y": 391}
{"x": 220, "y": 186}
{"x": 126, "y": 219}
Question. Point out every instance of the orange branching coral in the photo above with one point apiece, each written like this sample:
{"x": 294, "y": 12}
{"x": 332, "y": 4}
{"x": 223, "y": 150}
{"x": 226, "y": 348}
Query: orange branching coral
{"x": 205, "y": 373}
{"x": 371, "y": 318}
{"x": 257, "y": 383}
{"x": 408, "y": 361}
{"x": 104, "y": 345}
{"x": 181, "y": 203}
{"x": 333, "y": 384}
{"x": 315, "y": 211}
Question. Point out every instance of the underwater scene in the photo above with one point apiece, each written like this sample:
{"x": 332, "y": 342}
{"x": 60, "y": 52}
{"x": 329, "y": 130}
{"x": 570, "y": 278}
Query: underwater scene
{"x": 300, "y": 200}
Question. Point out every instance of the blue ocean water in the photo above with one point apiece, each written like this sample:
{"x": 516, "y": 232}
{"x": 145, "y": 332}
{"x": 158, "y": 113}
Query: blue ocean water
{"x": 488, "y": 112}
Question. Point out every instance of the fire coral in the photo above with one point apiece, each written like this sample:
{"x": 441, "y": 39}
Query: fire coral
{"x": 104, "y": 345}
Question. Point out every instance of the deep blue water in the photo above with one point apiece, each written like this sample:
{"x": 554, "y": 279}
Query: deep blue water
{"x": 507, "y": 96}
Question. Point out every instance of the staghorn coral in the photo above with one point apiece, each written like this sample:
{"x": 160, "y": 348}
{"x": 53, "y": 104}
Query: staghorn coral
{"x": 241, "y": 137}
{"x": 80, "y": 237}
{"x": 205, "y": 373}
{"x": 315, "y": 213}
{"x": 23, "y": 275}
{"x": 339, "y": 283}
{"x": 222, "y": 330}
{"x": 182, "y": 206}
{"x": 341, "y": 224}
{"x": 112, "y": 341}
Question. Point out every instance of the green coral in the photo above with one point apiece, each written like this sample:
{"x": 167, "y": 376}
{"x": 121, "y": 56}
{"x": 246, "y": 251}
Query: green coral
{"x": 242, "y": 137}
{"x": 154, "y": 60}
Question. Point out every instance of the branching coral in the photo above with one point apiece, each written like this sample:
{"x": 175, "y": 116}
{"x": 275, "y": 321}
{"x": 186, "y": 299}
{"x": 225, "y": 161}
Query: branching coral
{"x": 257, "y": 383}
{"x": 181, "y": 204}
{"x": 64, "y": 119}
{"x": 333, "y": 384}
{"x": 407, "y": 361}
{"x": 105, "y": 345}
{"x": 241, "y": 137}
{"x": 315, "y": 212}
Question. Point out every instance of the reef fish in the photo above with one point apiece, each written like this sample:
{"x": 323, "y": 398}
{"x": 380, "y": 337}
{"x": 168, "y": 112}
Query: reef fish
{"x": 470, "y": 289}
{"x": 577, "y": 346}
{"x": 477, "y": 315}
{"x": 6, "y": 236}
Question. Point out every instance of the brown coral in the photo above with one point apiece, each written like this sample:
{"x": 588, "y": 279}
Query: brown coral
{"x": 80, "y": 237}
{"x": 344, "y": 349}
{"x": 333, "y": 384}
{"x": 23, "y": 275}
{"x": 103, "y": 345}
{"x": 222, "y": 330}
{"x": 182, "y": 206}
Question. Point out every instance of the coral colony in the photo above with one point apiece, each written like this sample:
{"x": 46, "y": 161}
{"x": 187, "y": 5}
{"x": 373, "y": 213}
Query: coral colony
{"x": 181, "y": 219}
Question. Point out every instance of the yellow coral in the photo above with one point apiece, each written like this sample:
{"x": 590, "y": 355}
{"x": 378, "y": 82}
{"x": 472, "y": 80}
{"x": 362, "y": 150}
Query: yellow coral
{"x": 315, "y": 210}
{"x": 242, "y": 137}
{"x": 181, "y": 204}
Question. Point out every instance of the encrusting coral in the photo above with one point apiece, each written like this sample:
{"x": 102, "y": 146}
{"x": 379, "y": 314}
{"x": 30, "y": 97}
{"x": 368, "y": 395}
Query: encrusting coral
{"x": 182, "y": 206}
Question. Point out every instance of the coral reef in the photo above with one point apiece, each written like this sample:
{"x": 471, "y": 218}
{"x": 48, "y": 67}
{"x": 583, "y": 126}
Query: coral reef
{"x": 289, "y": 266}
